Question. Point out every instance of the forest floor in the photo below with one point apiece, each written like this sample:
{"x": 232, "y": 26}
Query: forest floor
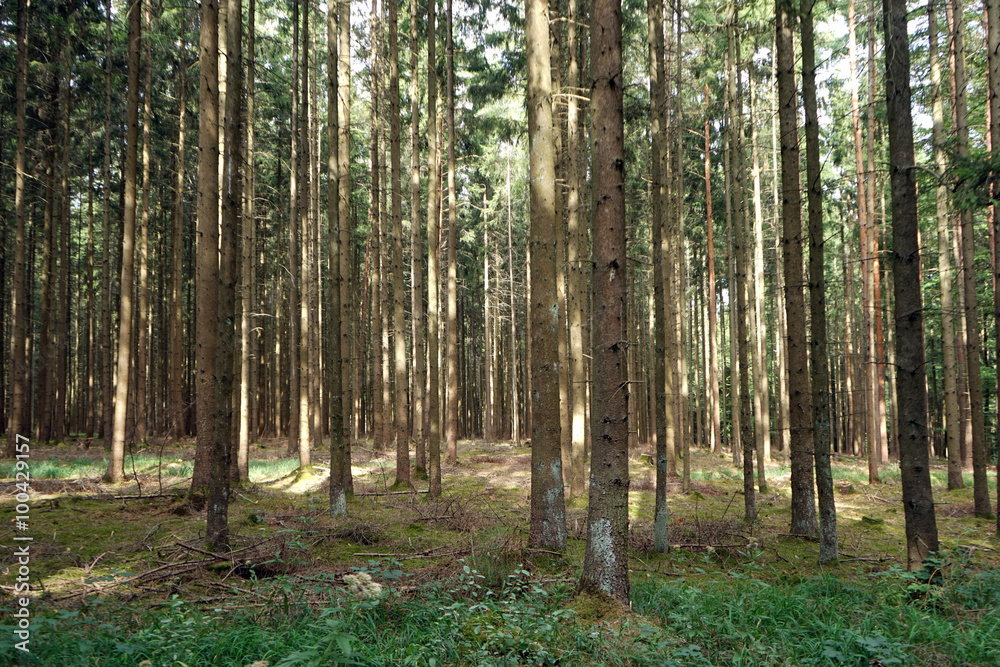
{"x": 126, "y": 567}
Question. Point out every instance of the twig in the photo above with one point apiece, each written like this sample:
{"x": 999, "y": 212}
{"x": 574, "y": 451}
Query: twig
{"x": 143, "y": 497}
{"x": 545, "y": 551}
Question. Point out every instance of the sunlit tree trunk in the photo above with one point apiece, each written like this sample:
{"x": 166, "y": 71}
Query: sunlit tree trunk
{"x": 605, "y": 565}
{"x": 451, "y": 327}
{"x": 714, "y": 400}
{"x": 433, "y": 259}
{"x": 142, "y": 343}
{"x": 575, "y": 253}
{"x": 548, "y": 512}
{"x": 761, "y": 382}
{"x": 416, "y": 253}
{"x": 115, "y": 471}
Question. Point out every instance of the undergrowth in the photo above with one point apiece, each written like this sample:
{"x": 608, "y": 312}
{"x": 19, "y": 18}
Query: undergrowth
{"x": 890, "y": 618}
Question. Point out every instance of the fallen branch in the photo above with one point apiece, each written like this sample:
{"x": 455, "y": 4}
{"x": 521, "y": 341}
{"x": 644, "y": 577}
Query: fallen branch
{"x": 388, "y": 493}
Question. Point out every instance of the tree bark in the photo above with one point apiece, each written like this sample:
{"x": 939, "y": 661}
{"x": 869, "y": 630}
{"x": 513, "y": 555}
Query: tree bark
{"x": 433, "y": 259}
{"x": 803, "y": 496}
{"x": 115, "y": 464}
{"x": 918, "y": 501}
{"x": 605, "y": 565}
{"x": 19, "y": 407}
{"x": 820, "y": 369}
{"x": 416, "y": 254}
{"x": 548, "y": 511}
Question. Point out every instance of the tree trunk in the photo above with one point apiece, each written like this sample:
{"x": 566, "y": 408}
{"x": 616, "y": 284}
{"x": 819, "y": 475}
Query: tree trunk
{"x": 433, "y": 259}
{"x": 401, "y": 427}
{"x": 820, "y": 369}
{"x": 344, "y": 214}
{"x": 605, "y": 565}
{"x": 548, "y": 512}
{"x": 451, "y": 326}
{"x": 918, "y": 501}
{"x": 416, "y": 253}
{"x": 952, "y": 416}
{"x": 116, "y": 462}
{"x": 338, "y": 437}
{"x": 654, "y": 20}
{"x": 19, "y": 404}
{"x": 803, "y": 496}
{"x": 175, "y": 342}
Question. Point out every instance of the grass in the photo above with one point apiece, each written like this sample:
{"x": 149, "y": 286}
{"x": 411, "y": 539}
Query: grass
{"x": 119, "y": 582}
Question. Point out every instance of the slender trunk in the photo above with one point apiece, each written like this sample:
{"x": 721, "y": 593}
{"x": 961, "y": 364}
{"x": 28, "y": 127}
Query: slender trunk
{"x": 654, "y": 20}
{"x": 433, "y": 259}
{"x": 416, "y": 253}
{"x": 714, "y": 400}
{"x": 142, "y": 343}
{"x": 115, "y": 465}
{"x": 948, "y": 340}
{"x": 761, "y": 382}
{"x": 176, "y": 327}
{"x": 820, "y": 369}
{"x": 451, "y": 327}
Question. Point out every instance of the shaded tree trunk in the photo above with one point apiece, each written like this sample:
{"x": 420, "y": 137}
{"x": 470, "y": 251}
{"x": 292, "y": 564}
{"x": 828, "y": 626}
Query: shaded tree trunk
{"x": 800, "y": 409}
{"x": 820, "y": 369}
{"x": 918, "y": 501}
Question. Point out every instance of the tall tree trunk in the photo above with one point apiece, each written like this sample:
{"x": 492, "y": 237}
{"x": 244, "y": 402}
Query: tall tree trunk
{"x": 116, "y": 462}
{"x": 654, "y": 20}
{"x": 306, "y": 363}
{"x": 451, "y": 327}
{"x": 294, "y": 281}
{"x": 993, "y": 66}
{"x": 344, "y": 214}
{"x": 107, "y": 338}
{"x": 241, "y": 462}
{"x": 416, "y": 254}
{"x": 714, "y": 400}
{"x": 401, "y": 427}
{"x": 820, "y": 369}
{"x": 19, "y": 405}
{"x": 207, "y": 256}
{"x": 803, "y": 496}
{"x": 338, "y": 436}
{"x": 576, "y": 249}
{"x": 548, "y": 510}
{"x": 142, "y": 342}
{"x": 734, "y": 111}
{"x": 761, "y": 382}
{"x": 952, "y": 416}
{"x": 918, "y": 501}
{"x": 605, "y": 565}
{"x": 176, "y": 327}
{"x": 433, "y": 258}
